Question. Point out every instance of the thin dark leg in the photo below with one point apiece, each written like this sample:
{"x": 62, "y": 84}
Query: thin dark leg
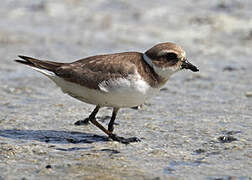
{"x": 91, "y": 116}
{"x": 109, "y": 133}
{"x": 112, "y": 120}
{"x": 97, "y": 124}
{"x": 114, "y": 136}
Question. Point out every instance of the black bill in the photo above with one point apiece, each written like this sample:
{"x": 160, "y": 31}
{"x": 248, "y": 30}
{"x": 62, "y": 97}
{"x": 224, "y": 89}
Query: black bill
{"x": 187, "y": 65}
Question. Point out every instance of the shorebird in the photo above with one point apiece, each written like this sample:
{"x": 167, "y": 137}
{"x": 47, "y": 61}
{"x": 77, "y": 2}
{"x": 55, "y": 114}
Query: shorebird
{"x": 117, "y": 80}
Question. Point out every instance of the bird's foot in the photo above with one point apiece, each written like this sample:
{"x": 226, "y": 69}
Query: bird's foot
{"x": 82, "y": 122}
{"x": 124, "y": 140}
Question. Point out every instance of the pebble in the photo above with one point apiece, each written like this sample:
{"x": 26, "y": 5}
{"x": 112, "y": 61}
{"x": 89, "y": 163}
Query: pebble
{"x": 229, "y": 68}
{"x": 48, "y": 166}
{"x": 248, "y": 94}
{"x": 227, "y": 139}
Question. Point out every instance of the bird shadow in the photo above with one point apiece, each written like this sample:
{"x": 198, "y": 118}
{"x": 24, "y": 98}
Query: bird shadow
{"x": 52, "y": 136}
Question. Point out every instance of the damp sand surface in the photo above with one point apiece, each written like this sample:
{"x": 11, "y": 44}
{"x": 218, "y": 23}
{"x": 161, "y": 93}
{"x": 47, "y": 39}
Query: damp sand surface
{"x": 197, "y": 127}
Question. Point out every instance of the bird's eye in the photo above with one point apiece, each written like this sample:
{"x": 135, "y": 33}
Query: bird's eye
{"x": 171, "y": 56}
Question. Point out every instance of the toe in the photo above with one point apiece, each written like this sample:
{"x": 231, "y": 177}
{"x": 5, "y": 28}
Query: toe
{"x": 82, "y": 122}
{"x": 124, "y": 140}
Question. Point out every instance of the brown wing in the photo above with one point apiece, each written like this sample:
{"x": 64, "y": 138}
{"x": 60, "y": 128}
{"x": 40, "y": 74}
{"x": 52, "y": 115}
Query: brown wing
{"x": 91, "y": 71}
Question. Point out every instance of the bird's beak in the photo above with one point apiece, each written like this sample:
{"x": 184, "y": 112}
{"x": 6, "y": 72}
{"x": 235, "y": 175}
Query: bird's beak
{"x": 187, "y": 65}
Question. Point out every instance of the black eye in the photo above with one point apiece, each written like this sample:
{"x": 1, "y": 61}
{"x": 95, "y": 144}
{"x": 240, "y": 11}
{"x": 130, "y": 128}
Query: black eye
{"x": 171, "y": 56}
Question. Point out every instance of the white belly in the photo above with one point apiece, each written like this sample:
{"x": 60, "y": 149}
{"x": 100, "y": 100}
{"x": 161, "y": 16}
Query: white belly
{"x": 119, "y": 93}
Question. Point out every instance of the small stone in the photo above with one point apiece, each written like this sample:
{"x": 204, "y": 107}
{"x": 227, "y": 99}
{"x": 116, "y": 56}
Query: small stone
{"x": 112, "y": 151}
{"x": 48, "y": 166}
{"x": 71, "y": 140}
{"x": 199, "y": 151}
{"x": 164, "y": 89}
{"x": 248, "y": 94}
{"x": 226, "y": 139}
{"x": 229, "y": 68}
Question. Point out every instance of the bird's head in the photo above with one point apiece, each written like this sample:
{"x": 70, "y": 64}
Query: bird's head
{"x": 167, "y": 58}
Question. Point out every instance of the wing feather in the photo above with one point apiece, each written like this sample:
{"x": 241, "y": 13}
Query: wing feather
{"x": 93, "y": 71}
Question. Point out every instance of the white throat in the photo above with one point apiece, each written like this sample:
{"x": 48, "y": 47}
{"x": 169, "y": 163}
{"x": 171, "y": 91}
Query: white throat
{"x": 163, "y": 72}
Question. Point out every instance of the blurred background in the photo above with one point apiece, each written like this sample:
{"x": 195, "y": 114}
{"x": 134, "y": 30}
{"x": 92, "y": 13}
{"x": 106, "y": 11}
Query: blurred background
{"x": 198, "y": 127}
{"x": 70, "y": 29}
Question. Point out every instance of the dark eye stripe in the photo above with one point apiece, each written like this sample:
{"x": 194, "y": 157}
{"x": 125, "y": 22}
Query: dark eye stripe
{"x": 171, "y": 56}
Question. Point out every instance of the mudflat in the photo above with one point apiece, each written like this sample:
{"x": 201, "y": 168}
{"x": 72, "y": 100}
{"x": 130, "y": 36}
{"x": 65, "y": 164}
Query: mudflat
{"x": 198, "y": 127}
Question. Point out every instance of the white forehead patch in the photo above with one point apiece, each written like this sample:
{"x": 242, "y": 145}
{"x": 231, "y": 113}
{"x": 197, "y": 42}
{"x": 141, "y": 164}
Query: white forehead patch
{"x": 165, "y": 52}
{"x": 183, "y": 54}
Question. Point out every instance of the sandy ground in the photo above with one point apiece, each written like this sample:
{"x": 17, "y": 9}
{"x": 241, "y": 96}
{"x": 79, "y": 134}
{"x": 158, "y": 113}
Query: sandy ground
{"x": 198, "y": 127}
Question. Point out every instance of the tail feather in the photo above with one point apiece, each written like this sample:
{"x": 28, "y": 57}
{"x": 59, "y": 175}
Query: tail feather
{"x": 48, "y": 65}
{"x": 23, "y": 62}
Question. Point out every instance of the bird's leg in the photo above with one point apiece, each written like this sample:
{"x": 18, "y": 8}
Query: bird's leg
{"x": 91, "y": 116}
{"x": 112, "y": 120}
{"x": 97, "y": 124}
{"x": 114, "y": 137}
{"x": 109, "y": 132}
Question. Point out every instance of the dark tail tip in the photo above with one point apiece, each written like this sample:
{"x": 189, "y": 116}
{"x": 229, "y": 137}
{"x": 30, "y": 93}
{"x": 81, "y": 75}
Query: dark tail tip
{"x": 23, "y": 62}
{"x": 49, "y": 65}
{"x": 26, "y": 57}
{"x": 23, "y": 57}
{"x": 27, "y": 60}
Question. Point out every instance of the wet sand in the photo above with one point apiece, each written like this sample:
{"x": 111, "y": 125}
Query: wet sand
{"x": 198, "y": 127}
